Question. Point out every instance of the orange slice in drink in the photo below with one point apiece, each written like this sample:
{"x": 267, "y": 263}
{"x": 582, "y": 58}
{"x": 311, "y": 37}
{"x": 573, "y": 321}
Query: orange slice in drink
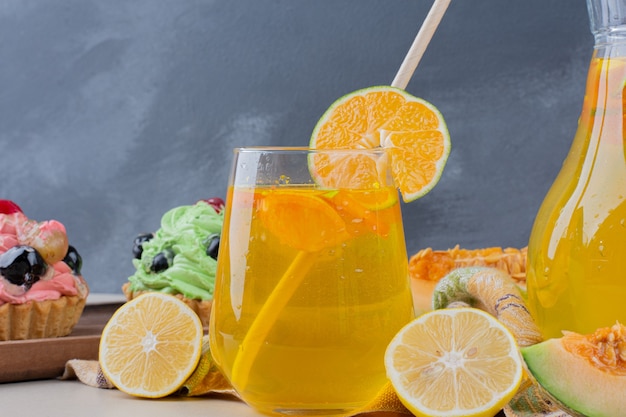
{"x": 361, "y": 211}
{"x": 412, "y": 131}
{"x": 302, "y": 220}
{"x": 377, "y": 199}
{"x": 151, "y": 345}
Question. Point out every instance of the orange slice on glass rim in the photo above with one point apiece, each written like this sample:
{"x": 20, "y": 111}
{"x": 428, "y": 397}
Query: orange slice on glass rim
{"x": 410, "y": 129}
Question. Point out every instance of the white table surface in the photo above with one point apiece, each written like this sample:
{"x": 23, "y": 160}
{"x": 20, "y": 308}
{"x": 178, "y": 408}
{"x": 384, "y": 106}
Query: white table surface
{"x": 56, "y": 398}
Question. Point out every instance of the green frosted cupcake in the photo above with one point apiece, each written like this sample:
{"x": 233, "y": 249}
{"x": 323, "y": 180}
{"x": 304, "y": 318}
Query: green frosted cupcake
{"x": 181, "y": 257}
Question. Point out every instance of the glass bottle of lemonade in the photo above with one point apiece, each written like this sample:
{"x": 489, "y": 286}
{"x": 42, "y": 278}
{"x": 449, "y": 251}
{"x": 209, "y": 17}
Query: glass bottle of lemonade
{"x": 576, "y": 273}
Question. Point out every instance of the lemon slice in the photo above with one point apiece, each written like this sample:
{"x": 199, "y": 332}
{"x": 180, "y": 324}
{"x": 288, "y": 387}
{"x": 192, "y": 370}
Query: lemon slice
{"x": 454, "y": 362}
{"x": 151, "y": 345}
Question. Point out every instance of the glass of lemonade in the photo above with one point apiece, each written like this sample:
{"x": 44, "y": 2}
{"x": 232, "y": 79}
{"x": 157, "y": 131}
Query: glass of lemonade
{"x": 312, "y": 281}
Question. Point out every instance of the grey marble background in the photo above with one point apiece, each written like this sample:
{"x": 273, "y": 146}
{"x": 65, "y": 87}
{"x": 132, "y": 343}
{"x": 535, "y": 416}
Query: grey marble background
{"x": 112, "y": 112}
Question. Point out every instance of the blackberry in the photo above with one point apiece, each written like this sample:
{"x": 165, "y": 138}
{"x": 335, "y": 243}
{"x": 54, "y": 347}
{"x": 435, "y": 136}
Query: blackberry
{"x": 22, "y": 265}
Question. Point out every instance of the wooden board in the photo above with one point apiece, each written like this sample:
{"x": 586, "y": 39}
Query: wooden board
{"x": 23, "y": 360}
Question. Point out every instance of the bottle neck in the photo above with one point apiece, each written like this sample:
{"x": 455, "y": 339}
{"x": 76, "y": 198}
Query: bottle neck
{"x": 607, "y": 20}
{"x": 603, "y": 112}
{"x": 610, "y": 48}
{"x": 605, "y": 95}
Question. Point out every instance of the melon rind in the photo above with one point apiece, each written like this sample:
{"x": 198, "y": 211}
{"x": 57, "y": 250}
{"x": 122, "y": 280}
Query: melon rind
{"x": 574, "y": 381}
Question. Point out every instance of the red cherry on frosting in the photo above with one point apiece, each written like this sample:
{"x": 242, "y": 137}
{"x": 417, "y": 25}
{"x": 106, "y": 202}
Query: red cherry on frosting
{"x": 9, "y": 207}
{"x": 215, "y": 202}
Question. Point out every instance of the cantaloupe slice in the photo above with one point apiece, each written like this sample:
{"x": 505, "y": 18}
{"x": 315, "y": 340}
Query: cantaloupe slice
{"x": 586, "y": 373}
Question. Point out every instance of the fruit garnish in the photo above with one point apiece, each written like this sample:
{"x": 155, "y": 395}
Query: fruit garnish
{"x": 22, "y": 266}
{"x": 302, "y": 221}
{"x": 584, "y": 373}
{"x": 9, "y": 207}
{"x": 151, "y": 345}
{"x": 138, "y": 243}
{"x": 379, "y": 199}
{"x": 454, "y": 362}
{"x": 73, "y": 260}
{"x": 162, "y": 260}
{"x": 49, "y": 238}
{"x": 411, "y": 130}
{"x": 213, "y": 245}
{"x": 215, "y": 202}
{"x": 359, "y": 209}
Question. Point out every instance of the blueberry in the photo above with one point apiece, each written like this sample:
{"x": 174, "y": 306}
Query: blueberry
{"x": 213, "y": 246}
{"x": 162, "y": 260}
{"x": 73, "y": 260}
{"x": 138, "y": 244}
{"x": 22, "y": 265}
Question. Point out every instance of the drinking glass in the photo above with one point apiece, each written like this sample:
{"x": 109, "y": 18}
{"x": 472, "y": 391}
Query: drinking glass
{"x": 312, "y": 280}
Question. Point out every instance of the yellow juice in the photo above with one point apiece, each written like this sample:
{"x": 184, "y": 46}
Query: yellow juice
{"x": 321, "y": 345}
{"x": 577, "y": 252}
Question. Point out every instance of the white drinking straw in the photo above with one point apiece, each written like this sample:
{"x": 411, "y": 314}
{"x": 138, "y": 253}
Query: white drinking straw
{"x": 420, "y": 43}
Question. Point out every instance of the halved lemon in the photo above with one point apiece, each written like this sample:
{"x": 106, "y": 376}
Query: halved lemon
{"x": 454, "y": 362}
{"x": 411, "y": 129}
{"x": 151, "y": 345}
